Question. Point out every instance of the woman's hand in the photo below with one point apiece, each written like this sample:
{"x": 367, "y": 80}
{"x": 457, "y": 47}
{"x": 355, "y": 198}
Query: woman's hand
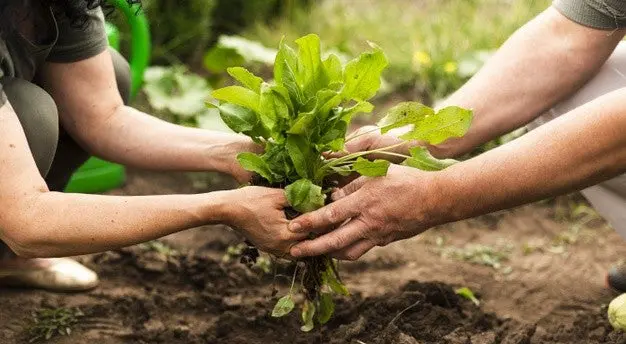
{"x": 229, "y": 155}
{"x": 258, "y": 213}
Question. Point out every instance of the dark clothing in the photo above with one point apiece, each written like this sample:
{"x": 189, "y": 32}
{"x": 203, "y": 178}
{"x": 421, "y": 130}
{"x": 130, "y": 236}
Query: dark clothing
{"x": 45, "y": 34}
{"x": 599, "y": 14}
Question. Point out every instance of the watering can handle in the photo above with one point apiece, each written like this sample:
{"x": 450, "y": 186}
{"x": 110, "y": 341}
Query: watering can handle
{"x": 140, "y": 42}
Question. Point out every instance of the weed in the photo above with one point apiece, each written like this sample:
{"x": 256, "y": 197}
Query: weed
{"x": 48, "y": 322}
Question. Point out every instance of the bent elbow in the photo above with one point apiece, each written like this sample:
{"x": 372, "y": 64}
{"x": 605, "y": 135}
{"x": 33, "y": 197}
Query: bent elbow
{"x": 24, "y": 245}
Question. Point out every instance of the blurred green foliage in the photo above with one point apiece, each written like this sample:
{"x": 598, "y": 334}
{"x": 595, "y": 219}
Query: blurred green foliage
{"x": 182, "y": 31}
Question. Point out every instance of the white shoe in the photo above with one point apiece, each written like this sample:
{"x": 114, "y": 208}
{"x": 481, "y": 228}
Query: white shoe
{"x": 56, "y": 274}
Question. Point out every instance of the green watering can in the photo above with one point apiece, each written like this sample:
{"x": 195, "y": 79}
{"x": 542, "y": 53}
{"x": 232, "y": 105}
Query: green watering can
{"x": 97, "y": 175}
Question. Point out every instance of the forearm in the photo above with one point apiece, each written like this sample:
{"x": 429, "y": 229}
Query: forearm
{"x": 542, "y": 63}
{"x": 136, "y": 139}
{"x": 57, "y": 224}
{"x": 577, "y": 150}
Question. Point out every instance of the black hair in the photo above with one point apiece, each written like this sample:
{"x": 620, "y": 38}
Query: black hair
{"x": 75, "y": 10}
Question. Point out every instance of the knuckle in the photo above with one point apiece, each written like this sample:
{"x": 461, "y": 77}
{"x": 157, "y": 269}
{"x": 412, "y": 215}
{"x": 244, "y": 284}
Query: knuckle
{"x": 352, "y": 256}
{"x": 332, "y": 213}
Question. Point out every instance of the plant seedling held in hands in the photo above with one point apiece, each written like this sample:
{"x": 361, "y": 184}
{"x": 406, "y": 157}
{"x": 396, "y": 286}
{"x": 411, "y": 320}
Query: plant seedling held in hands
{"x": 305, "y": 112}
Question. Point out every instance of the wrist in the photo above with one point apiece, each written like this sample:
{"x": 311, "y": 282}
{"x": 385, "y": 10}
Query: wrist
{"x": 218, "y": 207}
{"x": 224, "y": 155}
{"x": 450, "y": 201}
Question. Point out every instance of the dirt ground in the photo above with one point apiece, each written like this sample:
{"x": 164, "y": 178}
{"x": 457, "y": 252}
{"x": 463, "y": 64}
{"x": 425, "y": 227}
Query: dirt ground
{"x": 540, "y": 279}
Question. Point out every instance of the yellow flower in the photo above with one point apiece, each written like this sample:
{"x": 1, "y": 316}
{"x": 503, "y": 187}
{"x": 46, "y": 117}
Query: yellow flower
{"x": 450, "y": 67}
{"x": 421, "y": 58}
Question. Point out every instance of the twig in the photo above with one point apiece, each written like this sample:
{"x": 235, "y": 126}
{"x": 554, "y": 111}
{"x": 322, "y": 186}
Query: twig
{"x": 402, "y": 312}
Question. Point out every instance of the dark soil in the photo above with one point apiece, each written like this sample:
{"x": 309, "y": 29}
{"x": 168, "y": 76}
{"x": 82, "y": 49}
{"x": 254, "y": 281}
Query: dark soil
{"x": 401, "y": 294}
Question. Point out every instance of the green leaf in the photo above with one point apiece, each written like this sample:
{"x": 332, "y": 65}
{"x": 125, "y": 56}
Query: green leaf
{"x": 305, "y": 123}
{"x": 218, "y": 59}
{"x": 175, "y": 90}
{"x": 238, "y": 118}
{"x": 238, "y": 95}
{"x": 337, "y": 131}
{"x": 362, "y": 75}
{"x": 254, "y": 163}
{"x": 335, "y": 145}
{"x": 283, "y": 307}
{"x": 304, "y": 196}
{"x": 422, "y": 159}
{"x": 376, "y": 168}
{"x": 246, "y": 78}
{"x": 360, "y": 107}
{"x": 251, "y": 51}
{"x": 326, "y": 308}
{"x": 404, "y": 114}
{"x": 302, "y": 155}
{"x": 285, "y": 72}
{"x": 330, "y": 279}
{"x": 311, "y": 69}
{"x": 468, "y": 294}
{"x": 334, "y": 69}
{"x": 449, "y": 122}
{"x": 273, "y": 107}
{"x": 308, "y": 312}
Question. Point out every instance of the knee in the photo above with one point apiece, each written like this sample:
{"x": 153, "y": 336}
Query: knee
{"x": 122, "y": 75}
{"x": 38, "y": 115}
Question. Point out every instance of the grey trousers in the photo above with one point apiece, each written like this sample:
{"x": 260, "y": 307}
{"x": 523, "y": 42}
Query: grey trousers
{"x": 608, "y": 198}
{"x": 57, "y": 155}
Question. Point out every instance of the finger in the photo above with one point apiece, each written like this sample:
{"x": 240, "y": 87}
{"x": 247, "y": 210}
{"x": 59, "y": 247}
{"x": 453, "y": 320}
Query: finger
{"x": 333, "y": 241}
{"x": 355, "y": 251}
{"x": 317, "y": 221}
{"x": 349, "y": 189}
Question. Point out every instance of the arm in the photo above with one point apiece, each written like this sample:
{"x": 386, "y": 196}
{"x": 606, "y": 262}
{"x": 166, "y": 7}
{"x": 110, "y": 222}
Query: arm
{"x": 98, "y": 120}
{"x": 35, "y": 222}
{"x": 579, "y": 149}
{"x": 545, "y": 61}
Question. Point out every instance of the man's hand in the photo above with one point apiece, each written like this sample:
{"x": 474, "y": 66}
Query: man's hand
{"x": 258, "y": 212}
{"x": 369, "y": 212}
{"x": 369, "y": 138}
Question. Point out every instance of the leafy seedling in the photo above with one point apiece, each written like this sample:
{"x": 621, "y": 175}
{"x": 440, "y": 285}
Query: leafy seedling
{"x": 467, "y": 293}
{"x": 159, "y": 247}
{"x": 492, "y": 256}
{"x": 304, "y": 113}
{"x": 49, "y": 322}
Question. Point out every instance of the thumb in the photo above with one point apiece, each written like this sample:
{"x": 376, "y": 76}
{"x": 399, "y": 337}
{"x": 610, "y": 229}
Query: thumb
{"x": 349, "y": 189}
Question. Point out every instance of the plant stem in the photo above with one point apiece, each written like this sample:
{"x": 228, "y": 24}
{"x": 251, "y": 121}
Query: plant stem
{"x": 352, "y": 137}
{"x": 359, "y": 154}
{"x": 293, "y": 280}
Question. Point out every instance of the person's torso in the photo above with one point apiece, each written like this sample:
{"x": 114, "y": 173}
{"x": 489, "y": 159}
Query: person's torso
{"x": 24, "y": 50}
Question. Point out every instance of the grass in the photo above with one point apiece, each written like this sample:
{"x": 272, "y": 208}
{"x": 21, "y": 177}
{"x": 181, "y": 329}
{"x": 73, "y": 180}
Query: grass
{"x": 160, "y": 247}
{"x": 487, "y": 255}
{"x": 49, "y": 322}
{"x": 426, "y": 41}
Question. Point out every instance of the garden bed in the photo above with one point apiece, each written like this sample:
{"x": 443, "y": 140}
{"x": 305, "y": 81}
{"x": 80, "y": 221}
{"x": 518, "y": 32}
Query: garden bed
{"x": 153, "y": 294}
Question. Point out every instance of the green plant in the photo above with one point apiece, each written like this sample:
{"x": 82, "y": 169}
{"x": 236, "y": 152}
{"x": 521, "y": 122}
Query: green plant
{"x": 48, "y": 322}
{"x": 467, "y": 293}
{"x": 492, "y": 256}
{"x": 304, "y": 114}
{"x": 178, "y": 96}
{"x": 159, "y": 247}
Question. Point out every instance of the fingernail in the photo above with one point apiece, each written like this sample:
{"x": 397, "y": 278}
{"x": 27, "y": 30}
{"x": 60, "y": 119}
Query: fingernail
{"x": 295, "y": 252}
{"x": 295, "y": 227}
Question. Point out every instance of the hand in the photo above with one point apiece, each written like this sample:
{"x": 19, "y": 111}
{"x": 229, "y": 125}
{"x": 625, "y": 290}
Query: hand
{"x": 233, "y": 167}
{"x": 369, "y": 138}
{"x": 258, "y": 213}
{"x": 371, "y": 212}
